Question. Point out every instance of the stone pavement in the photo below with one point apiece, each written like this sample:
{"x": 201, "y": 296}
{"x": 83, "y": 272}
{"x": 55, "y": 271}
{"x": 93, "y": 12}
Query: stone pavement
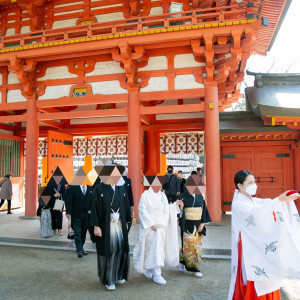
{"x": 42, "y": 274}
{"x": 18, "y": 231}
{"x": 40, "y": 268}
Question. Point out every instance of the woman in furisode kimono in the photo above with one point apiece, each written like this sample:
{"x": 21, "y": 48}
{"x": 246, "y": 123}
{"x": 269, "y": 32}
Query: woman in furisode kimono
{"x": 194, "y": 217}
{"x": 265, "y": 242}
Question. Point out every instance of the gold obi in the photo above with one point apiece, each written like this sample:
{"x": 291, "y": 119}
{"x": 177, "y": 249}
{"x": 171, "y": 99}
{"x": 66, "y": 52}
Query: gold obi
{"x": 193, "y": 213}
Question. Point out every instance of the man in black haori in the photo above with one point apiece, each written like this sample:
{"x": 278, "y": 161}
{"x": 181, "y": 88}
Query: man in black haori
{"x": 110, "y": 216}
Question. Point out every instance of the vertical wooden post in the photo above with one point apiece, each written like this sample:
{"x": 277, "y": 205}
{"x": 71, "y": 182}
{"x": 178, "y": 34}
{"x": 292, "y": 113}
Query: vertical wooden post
{"x": 152, "y": 155}
{"x": 134, "y": 145}
{"x": 157, "y": 145}
{"x": 212, "y": 152}
{"x": 31, "y": 174}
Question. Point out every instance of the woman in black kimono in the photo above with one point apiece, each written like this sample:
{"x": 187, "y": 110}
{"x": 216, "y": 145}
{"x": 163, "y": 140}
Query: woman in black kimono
{"x": 110, "y": 216}
{"x": 194, "y": 218}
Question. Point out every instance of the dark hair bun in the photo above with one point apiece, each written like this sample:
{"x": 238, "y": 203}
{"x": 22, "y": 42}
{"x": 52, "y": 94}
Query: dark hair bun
{"x": 240, "y": 177}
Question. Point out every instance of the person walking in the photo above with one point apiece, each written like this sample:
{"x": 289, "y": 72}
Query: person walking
{"x": 171, "y": 185}
{"x": 192, "y": 223}
{"x": 6, "y": 191}
{"x": 77, "y": 203}
{"x": 182, "y": 181}
{"x": 111, "y": 217}
{"x": 56, "y": 192}
{"x": 157, "y": 243}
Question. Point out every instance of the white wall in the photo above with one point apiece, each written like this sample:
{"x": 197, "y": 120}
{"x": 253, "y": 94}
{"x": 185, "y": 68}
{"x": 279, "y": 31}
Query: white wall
{"x": 10, "y": 31}
{"x": 99, "y": 120}
{"x": 15, "y": 96}
{"x": 54, "y": 92}
{"x": 6, "y": 132}
{"x": 25, "y": 29}
{"x": 183, "y": 82}
{"x": 12, "y": 78}
{"x": 110, "y": 17}
{"x": 107, "y": 87}
{"x": 105, "y": 68}
{"x": 186, "y": 61}
{"x": 180, "y": 116}
{"x": 64, "y": 23}
{"x": 156, "y": 84}
{"x": 156, "y": 63}
{"x": 57, "y": 73}
{"x": 156, "y": 11}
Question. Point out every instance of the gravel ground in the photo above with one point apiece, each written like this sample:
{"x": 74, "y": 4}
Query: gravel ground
{"x": 29, "y": 273}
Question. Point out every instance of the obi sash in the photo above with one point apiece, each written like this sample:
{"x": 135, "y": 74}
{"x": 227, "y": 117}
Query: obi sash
{"x": 193, "y": 213}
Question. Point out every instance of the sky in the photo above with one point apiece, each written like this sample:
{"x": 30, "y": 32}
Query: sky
{"x": 284, "y": 56}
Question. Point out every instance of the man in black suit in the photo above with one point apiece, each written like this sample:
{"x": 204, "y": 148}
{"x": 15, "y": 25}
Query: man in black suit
{"x": 77, "y": 203}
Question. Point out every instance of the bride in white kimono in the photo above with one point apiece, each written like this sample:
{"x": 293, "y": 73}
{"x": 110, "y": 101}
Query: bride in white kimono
{"x": 265, "y": 242}
{"x": 157, "y": 241}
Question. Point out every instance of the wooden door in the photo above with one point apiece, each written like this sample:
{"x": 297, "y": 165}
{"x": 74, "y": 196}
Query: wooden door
{"x": 271, "y": 166}
{"x": 273, "y": 170}
{"x": 234, "y": 159}
{"x": 60, "y": 154}
{"x": 12, "y": 160}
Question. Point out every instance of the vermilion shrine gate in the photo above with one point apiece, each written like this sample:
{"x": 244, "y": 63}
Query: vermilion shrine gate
{"x": 62, "y": 62}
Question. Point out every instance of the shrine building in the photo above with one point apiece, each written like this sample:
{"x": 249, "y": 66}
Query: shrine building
{"x": 142, "y": 79}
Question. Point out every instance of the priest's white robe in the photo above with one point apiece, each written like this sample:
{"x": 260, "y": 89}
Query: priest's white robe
{"x": 155, "y": 248}
{"x": 269, "y": 232}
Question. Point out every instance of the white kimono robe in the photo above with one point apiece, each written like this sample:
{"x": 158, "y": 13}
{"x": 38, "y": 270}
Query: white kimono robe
{"x": 270, "y": 242}
{"x": 155, "y": 248}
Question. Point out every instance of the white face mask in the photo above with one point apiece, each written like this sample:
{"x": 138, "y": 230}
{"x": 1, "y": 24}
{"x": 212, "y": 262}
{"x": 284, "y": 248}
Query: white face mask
{"x": 251, "y": 189}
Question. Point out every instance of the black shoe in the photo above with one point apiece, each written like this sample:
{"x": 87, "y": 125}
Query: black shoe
{"x": 9, "y": 213}
{"x": 85, "y": 253}
{"x": 79, "y": 254}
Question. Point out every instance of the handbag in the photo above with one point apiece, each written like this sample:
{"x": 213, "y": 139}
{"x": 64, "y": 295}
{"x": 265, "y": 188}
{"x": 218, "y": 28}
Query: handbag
{"x": 59, "y": 204}
{"x": 70, "y": 231}
{"x": 166, "y": 185}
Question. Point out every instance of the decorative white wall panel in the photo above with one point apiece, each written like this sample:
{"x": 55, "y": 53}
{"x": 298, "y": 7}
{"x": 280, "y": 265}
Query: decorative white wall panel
{"x": 107, "y": 87}
{"x": 186, "y": 61}
{"x": 12, "y": 78}
{"x": 181, "y": 116}
{"x": 15, "y": 96}
{"x": 64, "y": 23}
{"x": 99, "y": 120}
{"x": 110, "y": 17}
{"x": 57, "y": 73}
{"x": 156, "y": 84}
{"x": 182, "y": 143}
{"x": 25, "y": 29}
{"x": 54, "y": 92}
{"x": 183, "y": 82}
{"x": 156, "y": 11}
{"x": 105, "y": 68}
{"x": 156, "y": 63}
{"x": 10, "y": 31}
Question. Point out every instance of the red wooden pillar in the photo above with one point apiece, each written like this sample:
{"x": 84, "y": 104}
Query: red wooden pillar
{"x": 31, "y": 168}
{"x": 152, "y": 155}
{"x": 212, "y": 152}
{"x": 134, "y": 146}
{"x": 157, "y": 148}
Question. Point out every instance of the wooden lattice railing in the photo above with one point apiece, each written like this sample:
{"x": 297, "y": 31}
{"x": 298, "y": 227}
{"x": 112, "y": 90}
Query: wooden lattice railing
{"x": 196, "y": 19}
